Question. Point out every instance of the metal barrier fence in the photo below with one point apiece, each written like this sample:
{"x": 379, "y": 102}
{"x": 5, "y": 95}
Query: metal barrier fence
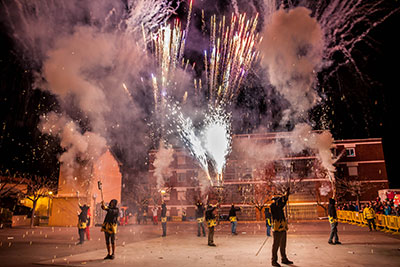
{"x": 385, "y": 223}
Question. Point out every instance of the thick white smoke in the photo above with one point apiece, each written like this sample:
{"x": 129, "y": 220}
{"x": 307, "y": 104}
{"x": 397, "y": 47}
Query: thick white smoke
{"x": 259, "y": 154}
{"x": 303, "y": 138}
{"x": 89, "y": 55}
{"x": 87, "y": 147}
{"x": 164, "y": 158}
{"x": 292, "y": 50}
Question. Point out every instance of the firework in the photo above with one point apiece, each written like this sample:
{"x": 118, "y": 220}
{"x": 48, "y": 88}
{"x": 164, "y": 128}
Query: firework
{"x": 186, "y": 131}
{"x": 218, "y": 139}
{"x": 147, "y": 15}
{"x": 341, "y": 19}
{"x": 210, "y": 143}
{"x": 168, "y": 45}
{"x": 232, "y": 52}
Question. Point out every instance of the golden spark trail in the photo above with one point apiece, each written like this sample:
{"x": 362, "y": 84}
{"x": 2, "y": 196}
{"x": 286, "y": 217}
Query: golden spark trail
{"x": 168, "y": 45}
{"x": 233, "y": 49}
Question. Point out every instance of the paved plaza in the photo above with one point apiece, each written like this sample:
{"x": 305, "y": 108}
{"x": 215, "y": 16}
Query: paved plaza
{"x": 142, "y": 245}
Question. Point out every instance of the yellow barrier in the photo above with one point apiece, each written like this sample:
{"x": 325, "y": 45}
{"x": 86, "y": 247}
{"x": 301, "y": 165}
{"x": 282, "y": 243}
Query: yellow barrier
{"x": 380, "y": 221}
{"x": 392, "y": 223}
{"x": 340, "y": 215}
{"x": 357, "y": 217}
{"x": 348, "y": 216}
{"x": 363, "y": 220}
{"x": 386, "y": 223}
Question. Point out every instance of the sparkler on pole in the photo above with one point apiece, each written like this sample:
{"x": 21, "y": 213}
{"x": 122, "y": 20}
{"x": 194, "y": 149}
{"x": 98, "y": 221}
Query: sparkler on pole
{"x": 218, "y": 139}
{"x": 186, "y": 131}
{"x": 212, "y": 144}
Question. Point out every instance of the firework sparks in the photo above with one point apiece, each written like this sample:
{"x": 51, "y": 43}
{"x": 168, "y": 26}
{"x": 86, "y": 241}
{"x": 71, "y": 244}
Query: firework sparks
{"x": 168, "y": 45}
{"x": 232, "y": 52}
{"x": 186, "y": 131}
{"x": 340, "y": 19}
{"x": 213, "y": 140}
{"x": 218, "y": 139}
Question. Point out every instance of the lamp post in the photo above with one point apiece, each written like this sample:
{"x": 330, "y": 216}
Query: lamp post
{"x": 50, "y": 194}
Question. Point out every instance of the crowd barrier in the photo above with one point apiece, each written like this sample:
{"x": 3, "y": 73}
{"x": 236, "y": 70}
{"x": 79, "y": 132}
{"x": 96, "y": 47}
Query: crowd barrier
{"x": 385, "y": 223}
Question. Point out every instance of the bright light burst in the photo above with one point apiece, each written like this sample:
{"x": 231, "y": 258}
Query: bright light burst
{"x": 186, "y": 131}
{"x": 218, "y": 138}
{"x": 213, "y": 140}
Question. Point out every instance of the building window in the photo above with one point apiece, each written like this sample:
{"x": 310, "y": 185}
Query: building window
{"x": 181, "y": 160}
{"x": 350, "y": 152}
{"x": 181, "y": 177}
{"x": 181, "y": 195}
{"x": 353, "y": 170}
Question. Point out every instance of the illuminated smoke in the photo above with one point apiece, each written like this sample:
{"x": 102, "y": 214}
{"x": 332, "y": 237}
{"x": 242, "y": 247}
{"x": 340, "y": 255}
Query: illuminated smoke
{"x": 302, "y": 137}
{"x": 292, "y": 52}
{"x": 146, "y": 16}
{"x": 85, "y": 147}
{"x": 325, "y": 189}
{"x": 163, "y": 159}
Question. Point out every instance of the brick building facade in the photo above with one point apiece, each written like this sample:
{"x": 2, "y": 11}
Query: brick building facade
{"x": 244, "y": 181}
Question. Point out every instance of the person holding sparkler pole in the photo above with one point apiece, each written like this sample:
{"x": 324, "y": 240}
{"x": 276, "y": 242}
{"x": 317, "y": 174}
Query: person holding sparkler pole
{"x": 164, "y": 218}
{"x": 109, "y": 226}
{"x": 200, "y": 217}
{"x": 233, "y": 218}
{"x": 268, "y": 218}
{"x": 279, "y": 228}
{"x": 211, "y": 223}
{"x": 333, "y": 221}
{"x": 82, "y": 220}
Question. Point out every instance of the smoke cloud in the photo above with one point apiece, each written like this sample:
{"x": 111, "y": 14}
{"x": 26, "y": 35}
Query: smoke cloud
{"x": 302, "y": 137}
{"x": 164, "y": 157}
{"x": 258, "y": 154}
{"x": 91, "y": 56}
{"x": 291, "y": 50}
{"x": 86, "y": 147}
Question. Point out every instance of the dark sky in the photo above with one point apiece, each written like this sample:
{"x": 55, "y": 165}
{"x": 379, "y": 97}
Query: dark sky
{"x": 356, "y": 107}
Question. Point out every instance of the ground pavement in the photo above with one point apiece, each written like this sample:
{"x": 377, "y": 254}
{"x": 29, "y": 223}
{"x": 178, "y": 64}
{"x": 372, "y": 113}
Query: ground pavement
{"x": 142, "y": 245}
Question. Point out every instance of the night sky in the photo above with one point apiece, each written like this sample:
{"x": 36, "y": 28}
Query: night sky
{"x": 356, "y": 107}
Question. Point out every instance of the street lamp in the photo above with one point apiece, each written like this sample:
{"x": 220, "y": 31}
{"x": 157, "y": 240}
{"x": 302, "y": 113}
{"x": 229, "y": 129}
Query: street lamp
{"x": 50, "y": 193}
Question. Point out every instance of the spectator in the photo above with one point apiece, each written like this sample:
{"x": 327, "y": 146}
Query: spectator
{"x": 351, "y": 207}
{"x": 356, "y": 207}
{"x": 155, "y": 210}
{"x": 397, "y": 211}
{"x": 387, "y": 209}
{"x": 379, "y": 208}
{"x": 369, "y": 215}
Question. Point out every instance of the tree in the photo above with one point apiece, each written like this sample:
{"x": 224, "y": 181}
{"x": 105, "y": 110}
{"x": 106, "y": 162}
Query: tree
{"x": 11, "y": 186}
{"x": 322, "y": 190}
{"x": 38, "y": 187}
{"x": 260, "y": 192}
{"x": 348, "y": 185}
